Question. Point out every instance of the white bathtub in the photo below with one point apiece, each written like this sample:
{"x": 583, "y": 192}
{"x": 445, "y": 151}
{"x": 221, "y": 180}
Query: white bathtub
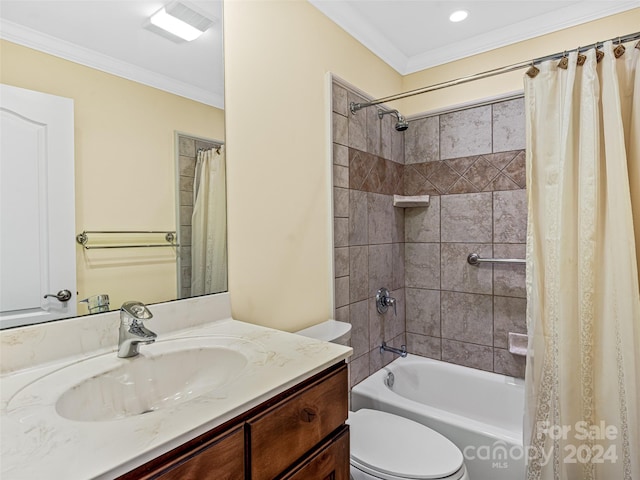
{"x": 481, "y": 412}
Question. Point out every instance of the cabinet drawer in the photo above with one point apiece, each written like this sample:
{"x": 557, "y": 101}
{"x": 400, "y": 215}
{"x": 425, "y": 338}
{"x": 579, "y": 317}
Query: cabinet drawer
{"x": 223, "y": 459}
{"x": 331, "y": 462}
{"x": 291, "y": 428}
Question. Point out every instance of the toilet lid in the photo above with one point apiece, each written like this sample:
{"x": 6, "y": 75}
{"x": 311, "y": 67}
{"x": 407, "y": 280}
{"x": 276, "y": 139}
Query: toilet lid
{"x": 393, "y": 445}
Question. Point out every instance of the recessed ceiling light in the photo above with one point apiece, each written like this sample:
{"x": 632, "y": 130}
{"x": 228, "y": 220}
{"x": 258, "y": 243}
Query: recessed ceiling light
{"x": 458, "y": 15}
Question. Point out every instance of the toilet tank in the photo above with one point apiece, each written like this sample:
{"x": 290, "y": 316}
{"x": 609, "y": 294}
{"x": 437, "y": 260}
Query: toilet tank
{"x": 329, "y": 331}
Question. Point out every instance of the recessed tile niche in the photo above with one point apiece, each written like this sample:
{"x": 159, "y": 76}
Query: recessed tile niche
{"x": 472, "y": 164}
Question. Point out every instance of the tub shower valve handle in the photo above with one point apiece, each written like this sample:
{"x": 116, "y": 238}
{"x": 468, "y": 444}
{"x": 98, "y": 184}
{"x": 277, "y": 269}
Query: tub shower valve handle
{"x": 384, "y": 300}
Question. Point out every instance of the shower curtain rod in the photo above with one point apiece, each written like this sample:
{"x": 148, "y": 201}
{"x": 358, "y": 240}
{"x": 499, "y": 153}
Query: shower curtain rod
{"x": 217, "y": 148}
{"x": 490, "y": 73}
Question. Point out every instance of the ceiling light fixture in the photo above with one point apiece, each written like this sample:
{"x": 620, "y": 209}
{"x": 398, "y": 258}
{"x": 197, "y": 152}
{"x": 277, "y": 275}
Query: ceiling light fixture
{"x": 458, "y": 15}
{"x": 180, "y": 20}
{"x": 174, "y": 25}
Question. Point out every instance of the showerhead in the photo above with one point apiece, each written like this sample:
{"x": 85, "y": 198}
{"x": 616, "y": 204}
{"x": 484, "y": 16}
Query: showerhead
{"x": 401, "y": 124}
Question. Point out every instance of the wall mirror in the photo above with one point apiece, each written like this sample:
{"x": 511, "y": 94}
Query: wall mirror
{"x": 144, "y": 105}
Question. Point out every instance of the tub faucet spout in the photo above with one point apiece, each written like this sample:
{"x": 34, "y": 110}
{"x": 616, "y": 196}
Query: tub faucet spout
{"x": 132, "y": 332}
{"x": 402, "y": 351}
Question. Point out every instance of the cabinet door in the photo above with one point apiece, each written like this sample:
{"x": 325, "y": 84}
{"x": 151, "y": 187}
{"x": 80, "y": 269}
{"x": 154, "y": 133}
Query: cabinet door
{"x": 221, "y": 460}
{"x": 285, "y": 433}
{"x": 330, "y": 463}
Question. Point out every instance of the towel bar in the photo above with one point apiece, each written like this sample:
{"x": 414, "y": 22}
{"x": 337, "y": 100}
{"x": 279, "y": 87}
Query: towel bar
{"x": 169, "y": 237}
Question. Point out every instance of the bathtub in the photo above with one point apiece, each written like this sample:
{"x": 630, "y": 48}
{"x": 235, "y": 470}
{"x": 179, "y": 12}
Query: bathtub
{"x": 481, "y": 412}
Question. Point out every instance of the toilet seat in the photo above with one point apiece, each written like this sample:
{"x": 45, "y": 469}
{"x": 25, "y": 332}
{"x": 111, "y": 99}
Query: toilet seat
{"x": 395, "y": 448}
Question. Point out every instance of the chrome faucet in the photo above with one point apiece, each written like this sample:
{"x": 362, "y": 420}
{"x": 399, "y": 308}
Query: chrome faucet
{"x": 402, "y": 351}
{"x": 132, "y": 331}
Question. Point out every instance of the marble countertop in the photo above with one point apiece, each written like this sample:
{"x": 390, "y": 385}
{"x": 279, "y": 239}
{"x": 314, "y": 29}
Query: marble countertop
{"x": 37, "y": 443}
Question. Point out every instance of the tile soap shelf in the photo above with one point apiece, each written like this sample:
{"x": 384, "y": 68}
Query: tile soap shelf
{"x": 403, "y": 201}
{"x": 518, "y": 343}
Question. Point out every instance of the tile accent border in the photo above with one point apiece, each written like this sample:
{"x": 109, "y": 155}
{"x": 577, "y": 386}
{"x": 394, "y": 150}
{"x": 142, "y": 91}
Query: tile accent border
{"x": 480, "y": 173}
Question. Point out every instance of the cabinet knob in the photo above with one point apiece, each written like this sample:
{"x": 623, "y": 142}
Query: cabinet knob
{"x": 308, "y": 415}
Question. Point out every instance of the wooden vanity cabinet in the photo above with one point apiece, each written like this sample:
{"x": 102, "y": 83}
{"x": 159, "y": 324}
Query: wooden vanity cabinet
{"x": 299, "y": 434}
{"x": 329, "y": 462}
{"x": 224, "y": 455}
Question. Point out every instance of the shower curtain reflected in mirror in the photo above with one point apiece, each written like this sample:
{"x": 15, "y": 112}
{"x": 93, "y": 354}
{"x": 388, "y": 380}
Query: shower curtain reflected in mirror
{"x": 583, "y": 242}
{"x": 209, "y": 225}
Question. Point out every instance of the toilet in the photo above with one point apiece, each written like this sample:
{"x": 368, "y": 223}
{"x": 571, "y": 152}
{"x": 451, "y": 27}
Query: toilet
{"x": 389, "y": 447}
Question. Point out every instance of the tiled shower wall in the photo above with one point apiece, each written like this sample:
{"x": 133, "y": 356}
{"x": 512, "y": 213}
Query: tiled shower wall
{"x": 471, "y": 162}
{"x": 368, "y": 156}
{"x": 187, "y": 153}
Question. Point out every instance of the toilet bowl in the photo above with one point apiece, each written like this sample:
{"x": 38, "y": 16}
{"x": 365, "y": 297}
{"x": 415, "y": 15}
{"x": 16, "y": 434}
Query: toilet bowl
{"x": 389, "y": 447}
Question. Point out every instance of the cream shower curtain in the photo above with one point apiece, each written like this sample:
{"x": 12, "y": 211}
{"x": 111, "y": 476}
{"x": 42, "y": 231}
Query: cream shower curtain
{"x": 583, "y": 245}
{"x": 209, "y": 225}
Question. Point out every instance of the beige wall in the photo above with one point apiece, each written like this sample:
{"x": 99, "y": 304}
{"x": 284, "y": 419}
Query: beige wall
{"x": 125, "y": 166}
{"x": 277, "y": 55}
{"x": 586, "y": 34}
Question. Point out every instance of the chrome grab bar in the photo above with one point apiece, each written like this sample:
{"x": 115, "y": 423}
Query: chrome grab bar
{"x": 475, "y": 259}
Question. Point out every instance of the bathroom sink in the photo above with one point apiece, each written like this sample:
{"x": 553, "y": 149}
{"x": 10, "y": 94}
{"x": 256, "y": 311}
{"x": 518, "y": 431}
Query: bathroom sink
{"x": 148, "y": 383}
{"x": 164, "y": 375}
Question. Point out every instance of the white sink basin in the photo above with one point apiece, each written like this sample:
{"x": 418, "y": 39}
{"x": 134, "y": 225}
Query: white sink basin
{"x": 165, "y": 374}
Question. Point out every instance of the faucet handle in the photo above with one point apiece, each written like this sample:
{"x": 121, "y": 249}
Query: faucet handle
{"x": 137, "y": 310}
{"x": 392, "y": 301}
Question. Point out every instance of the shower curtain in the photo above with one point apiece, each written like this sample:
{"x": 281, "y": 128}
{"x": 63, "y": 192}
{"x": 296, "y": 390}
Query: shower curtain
{"x": 583, "y": 252}
{"x": 209, "y": 225}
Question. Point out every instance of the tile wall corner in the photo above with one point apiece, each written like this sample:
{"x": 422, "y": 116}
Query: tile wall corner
{"x": 368, "y": 162}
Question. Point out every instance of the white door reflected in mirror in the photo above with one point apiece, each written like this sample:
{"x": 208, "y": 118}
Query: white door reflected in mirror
{"x": 37, "y": 207}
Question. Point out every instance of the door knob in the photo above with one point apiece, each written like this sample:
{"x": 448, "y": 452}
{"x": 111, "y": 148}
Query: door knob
{"x": 62, "y": 295}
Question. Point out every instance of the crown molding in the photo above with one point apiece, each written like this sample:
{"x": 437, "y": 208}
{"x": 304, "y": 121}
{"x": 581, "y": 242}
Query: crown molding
{"x": 358, "y": 27}
{"x": 28, "y": 37}
{"x": 342, "y": 14}
{"x": 534, "y": 27}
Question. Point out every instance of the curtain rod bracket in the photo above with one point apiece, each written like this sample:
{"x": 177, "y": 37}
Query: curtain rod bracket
{"x": 354, "y": 107}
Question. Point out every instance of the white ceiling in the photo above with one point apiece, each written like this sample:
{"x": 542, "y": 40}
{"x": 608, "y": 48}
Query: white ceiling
{"x": 109, "y": 35}
{"x": 409, "y": 35}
